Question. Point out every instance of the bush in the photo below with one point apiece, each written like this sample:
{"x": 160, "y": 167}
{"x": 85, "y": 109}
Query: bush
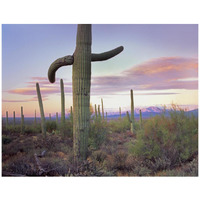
{"x": 120, "y": 125}
{"x": 51, "y": 126}
{"x": 97, "y": 134}
{"x": 167, "y": 139}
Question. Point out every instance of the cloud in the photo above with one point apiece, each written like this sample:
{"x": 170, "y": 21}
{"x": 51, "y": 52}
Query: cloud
{"x": 157, "y": 74}
{"x": 44, "y": 98}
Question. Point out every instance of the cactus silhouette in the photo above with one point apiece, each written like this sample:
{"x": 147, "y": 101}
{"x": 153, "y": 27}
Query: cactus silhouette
{"x": 81, "y": 82}
{"x": 43, "y": 122}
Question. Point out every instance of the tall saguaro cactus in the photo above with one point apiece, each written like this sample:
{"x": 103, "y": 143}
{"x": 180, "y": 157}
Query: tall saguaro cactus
{"x": 132, "y": 112}
{"x": 6, "y": 120}
{"x": 81, "y": 82}
{"x": 62, "y": 107}
{"x": 102, "y": 109}
{"x": 43, "y": 122}
{"x": 22, "y": 120}
{"x": 14, "y": 118}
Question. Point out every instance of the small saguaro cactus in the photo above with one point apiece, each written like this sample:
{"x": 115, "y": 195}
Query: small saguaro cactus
{"x": 132, "y": 112}
{"x": 140, "y": 119}
{"x": 62, "y": 120}
{"x": 120, "y": 113}
{"x": 96, "y": 115}
{"x": 14, "y": 118}
{"x": 99, "y": 113}
{"x": 6, "y": 120}
{"x": 102, "y": 109}
{"x": 22, "y": 120}
{"x": 43, "y": 121}
{"x": 128, "y": 116}
{"x": 49, "y": 116}
{"x": 71, "y": 114}
{"x": 35, "y": 119}
{"x": 57, "y": 118}
{"x": 81, "y": 82}
{"x": 106, "y": 117}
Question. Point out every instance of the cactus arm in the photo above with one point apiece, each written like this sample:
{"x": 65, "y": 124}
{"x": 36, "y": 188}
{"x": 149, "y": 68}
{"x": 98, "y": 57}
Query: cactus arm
{"x": 64, "y": 61}
{"x": 106, "y": 55}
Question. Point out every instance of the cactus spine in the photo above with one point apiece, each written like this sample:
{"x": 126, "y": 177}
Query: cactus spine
{"x": 132, "y": 112}
{"x": 81, "y": 81}
{"x": 14, "y": 119}
{"x": 62, "y": 107}
{"x": 22, "y": 121}
{"x": 43, "y": 123}
{"x": 102, "y": 109}
{"x": 6, "y": 120}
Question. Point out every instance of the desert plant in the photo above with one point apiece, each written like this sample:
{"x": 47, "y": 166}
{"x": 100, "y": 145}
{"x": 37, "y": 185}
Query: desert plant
{"x": 140, "y": 119}
{"x": 43, "y": 121}
{"x": 22, "y": 120}
{"x": 35, "y": 119}
{"x": 81, "y": 71}
{"x": 62, "y": 123}
{"x": 102, "y": 109}
{"x": 132, "y": 112}
{"x": 14, "y": 119}
{"x": 6, "y": 120}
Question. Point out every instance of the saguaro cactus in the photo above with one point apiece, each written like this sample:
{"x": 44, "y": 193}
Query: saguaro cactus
{"x": 6, "y": 120}
{"x": 81, "y": 81}
{"x": 22, "y": 120}
{"x": 43, "y": 121}
{"x": 62, "y": 120}
{"x": 57, "y": 118}
{"x": 120, "y": 113}
{"x": 99, "y": 113}
{"x": 14, "y": 118}
{"x": 35, "y": 120}
{"x": 96, "y": 116}
{"x": 132, "y": 112}
{"x": 140, "y": 119}
{"x": 102, "y": 109}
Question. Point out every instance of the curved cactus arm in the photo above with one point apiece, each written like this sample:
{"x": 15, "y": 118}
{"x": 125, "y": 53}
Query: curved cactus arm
{"x": 106, "y": 55}
{"x": 64, "y": 61}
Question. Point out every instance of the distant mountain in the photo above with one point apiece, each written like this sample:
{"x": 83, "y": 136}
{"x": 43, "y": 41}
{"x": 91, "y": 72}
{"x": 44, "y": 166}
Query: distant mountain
{"x": 149, "y": 112}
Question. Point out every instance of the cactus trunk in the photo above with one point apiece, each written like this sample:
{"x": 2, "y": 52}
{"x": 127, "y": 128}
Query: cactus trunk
{"x": 14, "y": 123}
{"x": 140, "y": 119}
{"x": 132, "y": 112}
{"x": 71, "y": 115}
{"x": 22, "y": 121}
{"x": 95, "y": 108}
{"x": 106, "y": 117}
{"x": 57, "y": 118}
{"x": 43, "y": 123}
{"x": 99, "y": 113}
{"x": 120, "y": 113}
{"x": 62, "y": 121}
{"x": 81, "y": 81}
{"x": 102, "y": 109}
{"x": 35, "y": 120}
{"x": 6, "y": 120}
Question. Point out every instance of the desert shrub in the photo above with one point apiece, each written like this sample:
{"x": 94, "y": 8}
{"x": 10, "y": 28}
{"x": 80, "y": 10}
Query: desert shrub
{"x": 97, "y": 134}
{"x": 167, "y": 140}
{"x": 98, "y": 156}
{"x": 6, "y": 139}
{"x": 120, "y": 125}
{"x": 51, "y": 126}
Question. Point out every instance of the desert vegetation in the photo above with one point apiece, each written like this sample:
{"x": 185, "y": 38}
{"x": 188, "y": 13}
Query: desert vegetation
{"x": 164, "y": 145}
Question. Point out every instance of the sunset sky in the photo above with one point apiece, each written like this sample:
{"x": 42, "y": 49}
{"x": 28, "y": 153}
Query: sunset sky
{"x": 159, "y": 62}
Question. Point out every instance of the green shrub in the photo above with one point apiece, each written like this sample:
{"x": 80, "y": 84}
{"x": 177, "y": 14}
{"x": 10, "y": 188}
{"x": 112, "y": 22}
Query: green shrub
{"x": 120, "y": 125}
{"x": 51, "y": 126}
{"x": 97, "y": 134}
{"x": 6, "y": 139}
{"x": 172, "y": 139}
